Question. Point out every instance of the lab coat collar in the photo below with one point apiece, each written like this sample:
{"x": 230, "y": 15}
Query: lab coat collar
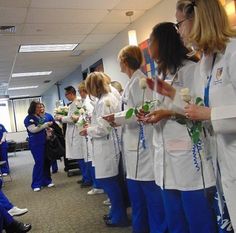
{"x": 136, "y": 75}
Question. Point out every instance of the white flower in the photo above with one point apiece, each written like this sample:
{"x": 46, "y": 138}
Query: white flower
{"x": 185, "y": 95}
{"x": 82, "y": 111}
{"x": 143, "y": 83}
{"x": 108, "y": 103}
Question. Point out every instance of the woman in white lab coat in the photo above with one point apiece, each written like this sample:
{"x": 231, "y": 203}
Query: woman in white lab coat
{"x": 89, "y": 177}
{"x": 106, "y": 156}
{"x": 205, "y": 26}
{"x": 145, "y": 196}
{"x": 187, "y": 208}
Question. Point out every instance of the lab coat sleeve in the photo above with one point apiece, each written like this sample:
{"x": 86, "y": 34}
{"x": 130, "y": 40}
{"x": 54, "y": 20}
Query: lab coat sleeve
{"x": 223, "y": 118}
{"x": 102, "y": 128}
{"x": 120, "y": 118}
{"x": 67, "y": 119}
{"x": 35, "y": 129}
{"x": 186, "y": 74}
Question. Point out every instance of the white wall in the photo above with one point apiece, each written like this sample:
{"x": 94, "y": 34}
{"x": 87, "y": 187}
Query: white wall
{"x": 50, "y": 97}
{"x": 164, "y": 11}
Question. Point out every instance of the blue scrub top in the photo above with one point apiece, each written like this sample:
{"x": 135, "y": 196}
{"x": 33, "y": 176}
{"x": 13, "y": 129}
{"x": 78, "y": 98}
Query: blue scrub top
{"x": 2, "y": 131}
{"x": 35, "y": 138}
{"x": 48, "y": 117}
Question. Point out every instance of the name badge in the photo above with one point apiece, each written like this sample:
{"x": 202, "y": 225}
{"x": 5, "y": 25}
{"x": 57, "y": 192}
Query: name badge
{"x": 218, "y": 78}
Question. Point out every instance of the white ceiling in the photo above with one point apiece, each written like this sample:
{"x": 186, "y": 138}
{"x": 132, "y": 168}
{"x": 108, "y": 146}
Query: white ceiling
{"x": 92, "y": 23}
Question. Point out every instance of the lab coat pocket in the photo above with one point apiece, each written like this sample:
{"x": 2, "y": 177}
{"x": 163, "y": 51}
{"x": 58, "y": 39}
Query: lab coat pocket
{"x": 178, "y": 147}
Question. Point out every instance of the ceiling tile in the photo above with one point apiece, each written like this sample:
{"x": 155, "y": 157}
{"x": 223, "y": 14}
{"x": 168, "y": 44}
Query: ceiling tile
{"x": 136, "y": 4}
{"x": 9, "y": 16}
{"x": 106, "y": 28}
{"x": 118, "y": 16}
{"x": 98, "y": 38}
{"x": 57, "y": 29}
{"x": 59, "y": 16}
{"x": 80, "y": 4}
{"x": 15, "y": 3}
{"x": 88, "y": 46}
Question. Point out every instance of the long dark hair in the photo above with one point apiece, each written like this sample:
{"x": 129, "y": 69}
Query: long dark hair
{"x": 171, "y": 50}
{"x": 32, "y": 107}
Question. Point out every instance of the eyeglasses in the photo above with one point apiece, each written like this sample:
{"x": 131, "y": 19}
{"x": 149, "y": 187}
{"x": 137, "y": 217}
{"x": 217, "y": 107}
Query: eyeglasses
{"x": 177, "y": 25}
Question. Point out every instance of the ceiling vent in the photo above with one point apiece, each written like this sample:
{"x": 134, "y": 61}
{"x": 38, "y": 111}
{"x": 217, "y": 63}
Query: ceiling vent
{"x": 7, "y": 29}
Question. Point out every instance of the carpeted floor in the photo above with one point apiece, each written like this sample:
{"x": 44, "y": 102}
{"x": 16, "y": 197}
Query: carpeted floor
{"x": 64, "y": 209}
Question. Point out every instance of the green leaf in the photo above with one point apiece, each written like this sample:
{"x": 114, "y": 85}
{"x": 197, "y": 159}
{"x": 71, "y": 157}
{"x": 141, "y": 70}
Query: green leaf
{"x": 129, "y": 113}
{"x": 145, "y": 107}
{"x": 136, "y": 111}
{"x": 199, "y": 101}
{"x": 195, "y": 137}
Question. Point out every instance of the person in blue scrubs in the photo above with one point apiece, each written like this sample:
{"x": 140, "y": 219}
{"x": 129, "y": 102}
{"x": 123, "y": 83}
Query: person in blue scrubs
{"x": 49, "y": 118}
{"x": 3, "y": 146}
{"x": 10, "y": 225}
{"x": 12, "y": 210}
{"x": 36, "y": 128}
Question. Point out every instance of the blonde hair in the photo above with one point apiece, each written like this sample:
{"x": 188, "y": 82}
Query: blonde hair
{"x": 117, "y": 86}
{"x": 96, "y": 85}
{"x": 211, "y": 30}
{"x": 82, "y": 86}
{"x": 107, "y": 78}
{"x": 132, "y": 56}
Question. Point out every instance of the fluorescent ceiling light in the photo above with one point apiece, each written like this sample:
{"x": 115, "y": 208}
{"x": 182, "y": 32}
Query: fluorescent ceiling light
{"x": 46, "y": 48}
{"x": 30, "y": 74}
{"x": 22, "y": 88}
{"x": 18, "y": 96}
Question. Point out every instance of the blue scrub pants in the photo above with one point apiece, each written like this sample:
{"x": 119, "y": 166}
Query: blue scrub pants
{"x": 5, "y": 218}
{"x": 54, "y": 166}
{"x": 41, "y": 170}
{"x": 4, "y": 157}
{"x": 189, "y": 211}
{"x": 4, "y": 202}
{"x": 148, "y": 213}
{"x": 94, "y": 180}
{"x": 84, "y": 170}
{"x": 112, "y": 189}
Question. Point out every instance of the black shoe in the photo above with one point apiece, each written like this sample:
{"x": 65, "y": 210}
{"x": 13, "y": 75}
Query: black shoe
{"x": 18, "y": 227}
{"x": 80, "y": 182}
{"x": 85, "y": 185}
{"x": 110, "y": 224}
{"x": 106, "y": 217}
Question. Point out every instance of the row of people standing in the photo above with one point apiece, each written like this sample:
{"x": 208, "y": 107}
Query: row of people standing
{"x": 187, "y": 189}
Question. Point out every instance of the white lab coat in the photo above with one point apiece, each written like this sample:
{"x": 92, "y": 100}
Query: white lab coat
{"x": 73, "y": 139}
{"x": 174, "y": 166}
{"x": 105, "y": 157}
{"x": 141, "y": 165}
{"x": 87, "y": 141}
{"x": 115, "y": 92}
{"x": 223, "y": 116}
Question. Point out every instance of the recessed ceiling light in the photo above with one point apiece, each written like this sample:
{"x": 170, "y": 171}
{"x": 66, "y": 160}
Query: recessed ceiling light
{"x": 22, "y": 88}
{"x": 46, "y": 48}
{"x": 30, "y": 74}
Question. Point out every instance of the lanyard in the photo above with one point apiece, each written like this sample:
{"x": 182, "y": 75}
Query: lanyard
{"x": 209, "y": 78}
